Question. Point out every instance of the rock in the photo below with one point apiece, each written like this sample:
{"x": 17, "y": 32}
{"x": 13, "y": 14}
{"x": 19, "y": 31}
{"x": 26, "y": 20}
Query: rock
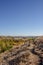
{"x": 26, "y": 54}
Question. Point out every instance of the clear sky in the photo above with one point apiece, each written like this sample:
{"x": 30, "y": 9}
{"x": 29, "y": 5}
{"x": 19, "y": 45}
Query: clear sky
{"x": 21, "y": 17}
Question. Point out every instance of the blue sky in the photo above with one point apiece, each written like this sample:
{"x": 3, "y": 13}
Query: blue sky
{"x": 21, "y": 17}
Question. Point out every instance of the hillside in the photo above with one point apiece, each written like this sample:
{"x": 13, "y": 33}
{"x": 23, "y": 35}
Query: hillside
{"x": 23, "y": 51}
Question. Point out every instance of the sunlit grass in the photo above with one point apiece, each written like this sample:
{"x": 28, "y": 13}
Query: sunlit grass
{"x": 6, "y": 44}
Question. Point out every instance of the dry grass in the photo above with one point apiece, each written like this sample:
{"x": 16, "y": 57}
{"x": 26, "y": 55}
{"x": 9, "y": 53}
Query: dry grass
{"x": 8, "y": 42}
